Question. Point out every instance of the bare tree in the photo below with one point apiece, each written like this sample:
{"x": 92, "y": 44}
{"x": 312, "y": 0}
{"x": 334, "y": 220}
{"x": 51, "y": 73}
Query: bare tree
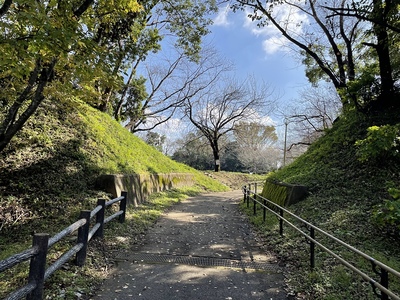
{"x": 216, "y": 110}
{"x": 170, "y": 85}
{"x": 314, "y": 112}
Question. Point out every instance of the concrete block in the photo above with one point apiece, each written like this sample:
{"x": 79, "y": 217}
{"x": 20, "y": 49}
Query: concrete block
{"x": 140, "y": 186}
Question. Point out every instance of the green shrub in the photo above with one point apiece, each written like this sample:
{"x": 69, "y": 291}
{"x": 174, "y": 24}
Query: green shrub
{"x": 387, "y": 214}
{"x": 381, "y": 142}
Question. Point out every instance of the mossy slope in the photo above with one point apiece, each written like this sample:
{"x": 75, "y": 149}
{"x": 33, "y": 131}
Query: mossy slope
{"x": 48, "y": 172}
{"x": 343, "y": 193}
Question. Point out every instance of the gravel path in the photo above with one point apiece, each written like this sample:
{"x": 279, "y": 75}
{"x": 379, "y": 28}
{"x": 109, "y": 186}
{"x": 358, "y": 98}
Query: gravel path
{"x": 203, "y": 248}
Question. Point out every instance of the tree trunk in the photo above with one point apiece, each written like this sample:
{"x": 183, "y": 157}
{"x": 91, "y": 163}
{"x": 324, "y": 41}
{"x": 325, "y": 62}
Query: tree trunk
{"x": 386, "y": 99}
{"x": 217, "y": 166}
{"x": 13, "y": 123}
{"x": 215, "y": 147}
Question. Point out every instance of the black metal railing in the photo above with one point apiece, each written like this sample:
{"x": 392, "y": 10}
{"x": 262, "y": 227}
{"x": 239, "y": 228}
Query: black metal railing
{"x": 37, "y": 254}
{"x": 279, "y": 211}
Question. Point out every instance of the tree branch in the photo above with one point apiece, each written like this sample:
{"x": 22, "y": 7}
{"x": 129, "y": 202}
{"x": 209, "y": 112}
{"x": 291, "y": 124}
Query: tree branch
{"x": 5, "y": 7}
{"x": 314, "y": 55}
{"x": 351, "y": 12}
{"x": 297, "y": 144}
{"x": 81, "y": 9}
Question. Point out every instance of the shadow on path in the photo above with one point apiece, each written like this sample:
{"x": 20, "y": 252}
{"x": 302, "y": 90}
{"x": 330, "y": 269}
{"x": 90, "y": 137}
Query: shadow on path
{"x": 201, "y": 249}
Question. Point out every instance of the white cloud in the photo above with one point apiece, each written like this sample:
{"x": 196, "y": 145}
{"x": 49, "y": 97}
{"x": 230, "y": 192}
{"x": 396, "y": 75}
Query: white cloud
{"x": 290, "y": 18}
{"x": 274, "y": 44}
{"x": 222, "y": 17}
{"x": 261, "y": 119}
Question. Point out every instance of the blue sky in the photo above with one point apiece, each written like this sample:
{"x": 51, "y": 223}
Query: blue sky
{"x": 260, "y": 52}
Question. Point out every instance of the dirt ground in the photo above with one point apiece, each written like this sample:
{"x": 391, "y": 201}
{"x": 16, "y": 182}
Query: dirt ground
{"x": 235, "y": 180}
{"x": 203, "y": 248}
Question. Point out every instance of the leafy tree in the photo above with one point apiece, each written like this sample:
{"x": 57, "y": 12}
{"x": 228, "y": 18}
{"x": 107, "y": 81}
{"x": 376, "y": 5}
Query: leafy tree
{"x": 333, "y": 44}
{"x": 216, "y": 110}
{"x": 230, "y": 158}
{"x": 49, "y": 50}
{"x": 255, "y": 143}
{"x": 67, "y": 49}
{"x": 383, "y": 17}
{"x": 156, "y": 140}
{"x": 194, "y": 151}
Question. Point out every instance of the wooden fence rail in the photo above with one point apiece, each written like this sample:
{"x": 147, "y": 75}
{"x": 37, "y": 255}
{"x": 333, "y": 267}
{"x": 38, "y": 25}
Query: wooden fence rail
{"x": 37, "y": 254}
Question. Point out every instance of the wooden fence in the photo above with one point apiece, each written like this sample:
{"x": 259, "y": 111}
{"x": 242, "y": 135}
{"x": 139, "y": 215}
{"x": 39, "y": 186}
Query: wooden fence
{"x": 37, "y": 254}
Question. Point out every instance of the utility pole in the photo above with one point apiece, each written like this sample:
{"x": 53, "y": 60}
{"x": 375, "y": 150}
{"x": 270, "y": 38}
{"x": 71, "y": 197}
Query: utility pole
{"x": 284, "y": 146}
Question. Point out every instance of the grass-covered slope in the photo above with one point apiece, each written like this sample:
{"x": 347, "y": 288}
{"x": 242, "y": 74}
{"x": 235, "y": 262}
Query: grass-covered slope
{"x": 47, "y": 176}
{"x": 343, "y": 195}
{"x": 50, "y": 168}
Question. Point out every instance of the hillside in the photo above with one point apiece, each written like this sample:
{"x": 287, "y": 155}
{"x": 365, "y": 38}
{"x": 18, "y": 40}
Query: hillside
{"x": 47, "y": 177}
{"x": 49, "y": 170}
{"x": 343, "y": 199}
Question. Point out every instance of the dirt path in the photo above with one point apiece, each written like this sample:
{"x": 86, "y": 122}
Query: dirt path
{"x": 201, "y": 249}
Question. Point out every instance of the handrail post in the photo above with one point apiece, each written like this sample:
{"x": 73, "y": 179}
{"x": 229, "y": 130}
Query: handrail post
{"x": 100, "y": 218}
{"x": 248, "y": 195}
{"x": 264, "y": 210}
{"x": 244, "y": 193}
{"x": 385, "y": 283}
{"x": 312, "y": 249}
{"x": 281, "y": 222}
{"x": 83, "y": 234}
{"x": 122, "y": 206}
{"x": 37, "y": 266}
{"x": 255, "y": 199}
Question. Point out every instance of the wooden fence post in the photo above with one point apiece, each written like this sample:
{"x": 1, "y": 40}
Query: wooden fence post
{"x": 100, "y": 218}
{"x": 37, "y": 266}
{"x": 122, "y": 206}
{"x": 83, "y": 234}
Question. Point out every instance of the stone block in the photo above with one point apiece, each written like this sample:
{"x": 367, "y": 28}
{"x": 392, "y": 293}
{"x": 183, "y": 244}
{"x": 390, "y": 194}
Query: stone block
{"x": 284, "y": 194}
{"x": 140, "y": 186}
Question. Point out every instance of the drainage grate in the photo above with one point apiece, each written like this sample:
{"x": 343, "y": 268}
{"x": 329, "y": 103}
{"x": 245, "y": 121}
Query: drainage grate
{"x": 204, "y": 261}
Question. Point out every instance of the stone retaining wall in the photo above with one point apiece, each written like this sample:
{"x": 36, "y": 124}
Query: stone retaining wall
{"x": 283, "y": 194}
{"x": 140, "y": 186}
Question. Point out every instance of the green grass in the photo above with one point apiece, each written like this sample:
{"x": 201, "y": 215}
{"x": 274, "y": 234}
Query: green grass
{"x": 51, "y": 166}
{"x": 343, "y": 193}
{"x": 48, "y": 174}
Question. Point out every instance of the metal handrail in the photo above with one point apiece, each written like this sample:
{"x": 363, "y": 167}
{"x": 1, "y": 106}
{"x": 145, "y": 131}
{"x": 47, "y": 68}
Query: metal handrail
{"x": 382, "y": 286}
{"x": 308, "y": 224}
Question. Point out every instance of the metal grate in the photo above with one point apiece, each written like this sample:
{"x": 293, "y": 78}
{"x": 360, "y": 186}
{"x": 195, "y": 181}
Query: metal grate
{"x": 204, "y": 261}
